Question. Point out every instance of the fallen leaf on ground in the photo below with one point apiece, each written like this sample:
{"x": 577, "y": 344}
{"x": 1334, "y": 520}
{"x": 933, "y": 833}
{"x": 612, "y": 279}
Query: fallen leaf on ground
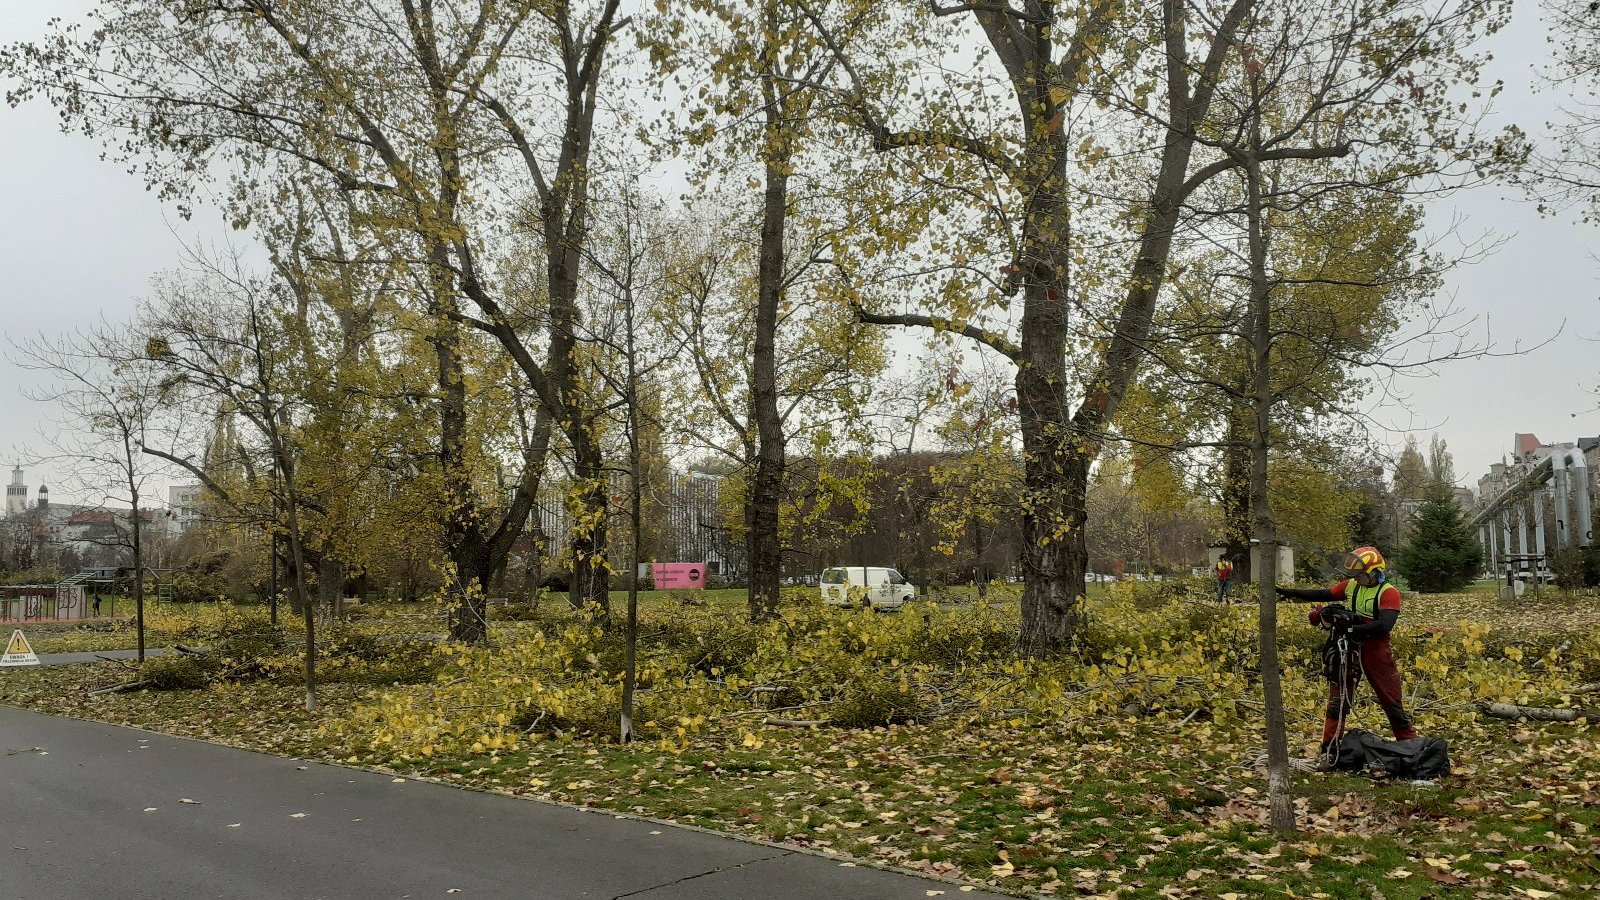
{"x": 1442, "y": 876}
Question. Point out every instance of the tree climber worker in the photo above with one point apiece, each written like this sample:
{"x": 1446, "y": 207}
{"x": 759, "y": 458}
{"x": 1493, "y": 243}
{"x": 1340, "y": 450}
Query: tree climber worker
{"x": 1224, "y": 572}
{"x": 1363, "y": 608}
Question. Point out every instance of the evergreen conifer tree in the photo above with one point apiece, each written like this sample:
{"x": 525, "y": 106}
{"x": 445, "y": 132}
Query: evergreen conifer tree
{"x": 1443, "y": 554}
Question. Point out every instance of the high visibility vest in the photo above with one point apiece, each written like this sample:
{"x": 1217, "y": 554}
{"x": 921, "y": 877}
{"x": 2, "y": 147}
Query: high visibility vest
{"x": 1364, "y": 600}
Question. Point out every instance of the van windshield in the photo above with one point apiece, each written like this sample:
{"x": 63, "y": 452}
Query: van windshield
{"x": 833, "y": 576}
{"x": 895, "y": 577}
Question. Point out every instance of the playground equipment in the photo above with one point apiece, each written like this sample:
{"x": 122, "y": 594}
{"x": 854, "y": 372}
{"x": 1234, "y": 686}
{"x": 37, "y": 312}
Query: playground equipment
{"x": 71, "y": 598}
{"x": 42, "y": 602}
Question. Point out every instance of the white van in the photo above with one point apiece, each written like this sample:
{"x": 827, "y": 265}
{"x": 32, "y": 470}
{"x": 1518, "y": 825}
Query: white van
{"x": 866, "y": 586}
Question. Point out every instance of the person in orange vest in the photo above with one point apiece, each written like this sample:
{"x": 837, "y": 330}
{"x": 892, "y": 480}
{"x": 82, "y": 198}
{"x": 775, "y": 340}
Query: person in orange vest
{"x": 1362, "y": 609}
{"x": 1224, "y": 572}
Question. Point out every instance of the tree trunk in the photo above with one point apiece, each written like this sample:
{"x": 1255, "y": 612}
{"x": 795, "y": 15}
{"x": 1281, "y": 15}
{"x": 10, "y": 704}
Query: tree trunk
{"x": 298, "y": 556}
{"x": 533, "y": 574}
{"x": 292, "y": 573}
{"x": 980, "y": 548}
{"x": 1237, "y": 520}
{"x": 307, "y": 612}
{"x": 1280, "y": 796}
{"x": 138, "y": 563}
{"x": 591, "y": 572}
{"x": 330, "y": 585}
{"x": 762, "y": 543}
{"x": 274, "y": 589}
{"x": 630, "y": 651}
{"x": 470, "y": 559}
{"x": 1054, "y": 555}
{"x": 463, "y": 533}
{"x": 763, "y": 548}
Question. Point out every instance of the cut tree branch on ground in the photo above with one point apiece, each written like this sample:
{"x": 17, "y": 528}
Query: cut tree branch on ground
{"x": 1538, "y": 713}
{"x": 121, "y": 688}
{"x": 779, "y": 709}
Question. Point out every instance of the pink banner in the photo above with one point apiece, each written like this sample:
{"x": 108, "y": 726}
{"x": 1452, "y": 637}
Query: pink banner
{"x": 677, "y": 576}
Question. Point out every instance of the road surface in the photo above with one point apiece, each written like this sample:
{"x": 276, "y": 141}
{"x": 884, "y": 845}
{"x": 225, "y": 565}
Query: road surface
{"x": 92, "y": 810}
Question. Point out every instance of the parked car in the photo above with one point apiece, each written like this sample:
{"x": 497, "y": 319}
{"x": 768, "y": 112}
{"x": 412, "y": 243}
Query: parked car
{"x": 876, "y": 586}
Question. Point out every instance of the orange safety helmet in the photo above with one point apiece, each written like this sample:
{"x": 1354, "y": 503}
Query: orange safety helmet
{"x": 1365, "y": 561}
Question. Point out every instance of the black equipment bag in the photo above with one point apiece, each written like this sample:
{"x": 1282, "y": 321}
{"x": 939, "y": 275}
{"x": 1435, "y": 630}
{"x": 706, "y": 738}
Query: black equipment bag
{"x": 1413, "y": 758}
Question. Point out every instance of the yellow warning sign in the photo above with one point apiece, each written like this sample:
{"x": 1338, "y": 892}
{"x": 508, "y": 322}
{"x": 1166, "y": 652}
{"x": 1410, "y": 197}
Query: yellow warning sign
{"x": 18, "y": 652}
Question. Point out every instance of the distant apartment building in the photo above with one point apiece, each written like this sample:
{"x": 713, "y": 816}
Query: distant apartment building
{"x": 183, "y": 506}
{"x": 38, "y": 532}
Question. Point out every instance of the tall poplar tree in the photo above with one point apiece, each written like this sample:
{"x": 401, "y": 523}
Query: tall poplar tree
{"x": 1411, "y": 474}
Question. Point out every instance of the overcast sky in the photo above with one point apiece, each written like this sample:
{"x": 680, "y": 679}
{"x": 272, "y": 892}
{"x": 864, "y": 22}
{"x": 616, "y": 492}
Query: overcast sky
{"x": 82, "y": 239}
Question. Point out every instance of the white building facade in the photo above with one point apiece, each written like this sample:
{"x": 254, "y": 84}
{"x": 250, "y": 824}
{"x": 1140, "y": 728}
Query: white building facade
{"x": 183, "y": 506}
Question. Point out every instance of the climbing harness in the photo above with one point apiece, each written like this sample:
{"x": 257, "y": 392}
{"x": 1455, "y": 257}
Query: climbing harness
{"x": 1342, "y": 664}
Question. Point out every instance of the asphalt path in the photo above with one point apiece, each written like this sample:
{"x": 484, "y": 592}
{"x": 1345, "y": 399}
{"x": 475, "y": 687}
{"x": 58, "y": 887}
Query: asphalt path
{"x": 64, "y": 659}
{"x": 92, "y": 810}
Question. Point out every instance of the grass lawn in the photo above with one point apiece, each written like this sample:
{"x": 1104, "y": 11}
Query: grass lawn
{"x": 166, "y": 621}
{"x": 1123, "y": 787}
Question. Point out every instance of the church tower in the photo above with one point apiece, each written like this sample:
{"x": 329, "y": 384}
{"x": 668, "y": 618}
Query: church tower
{"x": 16, "y": 494}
